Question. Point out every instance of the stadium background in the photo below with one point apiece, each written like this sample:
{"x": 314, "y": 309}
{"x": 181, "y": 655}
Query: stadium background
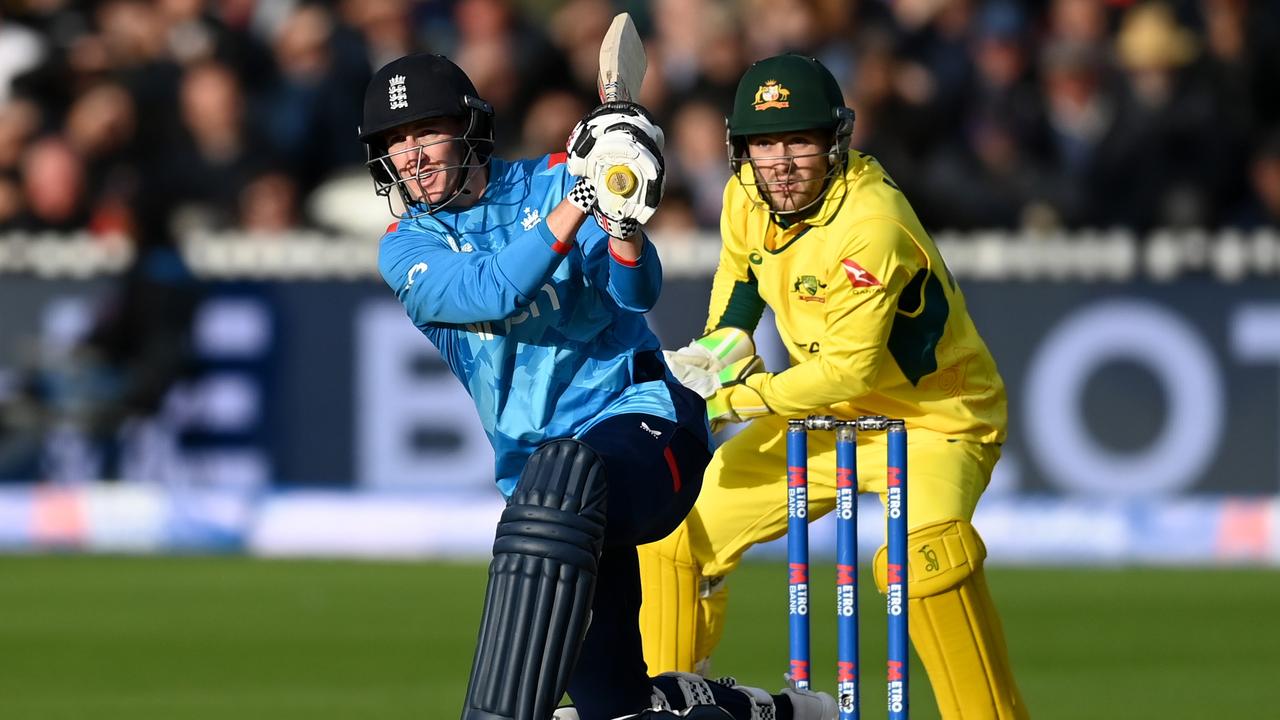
{"x": 199, "y": 366}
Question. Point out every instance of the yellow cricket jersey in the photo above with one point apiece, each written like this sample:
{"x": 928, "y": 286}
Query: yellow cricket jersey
{"x": 874, "y": 322}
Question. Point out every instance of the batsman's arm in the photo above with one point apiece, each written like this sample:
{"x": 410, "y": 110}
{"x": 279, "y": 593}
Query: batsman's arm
{"x": 438, "y": 285}
{"x": 627, "y": 268}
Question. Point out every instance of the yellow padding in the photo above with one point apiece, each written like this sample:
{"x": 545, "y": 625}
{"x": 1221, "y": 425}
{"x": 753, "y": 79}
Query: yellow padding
{"x": 681, "y": 617}
{"x": 940, "y": 556}
{"x": 954, "y": 625}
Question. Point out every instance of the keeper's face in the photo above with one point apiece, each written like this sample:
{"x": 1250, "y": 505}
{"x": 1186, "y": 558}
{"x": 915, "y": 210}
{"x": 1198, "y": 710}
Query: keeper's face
{"x": 791, "y": 167}
{"x": 427, "y": 156}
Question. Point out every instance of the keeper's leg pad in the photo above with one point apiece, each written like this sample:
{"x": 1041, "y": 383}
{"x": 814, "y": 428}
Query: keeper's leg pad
{"x": 682, "y": 615}
{"x": 953, "y": 623}
{"x": 541, "y": 583}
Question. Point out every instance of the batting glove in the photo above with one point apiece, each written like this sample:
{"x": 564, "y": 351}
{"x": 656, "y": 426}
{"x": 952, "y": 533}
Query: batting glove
{"x": 619, "y": 148}
{"x": 603, "y": 118}
{"x": 629, "y": 175}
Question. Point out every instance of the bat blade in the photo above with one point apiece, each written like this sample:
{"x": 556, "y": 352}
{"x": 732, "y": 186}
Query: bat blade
{"x": 622, "y": 61}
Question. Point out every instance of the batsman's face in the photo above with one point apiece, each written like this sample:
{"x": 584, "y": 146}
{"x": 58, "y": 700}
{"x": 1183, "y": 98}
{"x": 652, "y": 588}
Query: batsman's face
{"x": 426, "y": 156}
{"x": 791, "y": 167}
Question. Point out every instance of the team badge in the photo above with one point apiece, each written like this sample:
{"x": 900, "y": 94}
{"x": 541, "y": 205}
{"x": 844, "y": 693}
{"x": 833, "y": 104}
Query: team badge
{"x": 397, "y": 94}
{"x": 807, "y": 287}
{"x": 755, "y": 258}
{"x": 771, "y": 95}
{"x": 858, "y": 276}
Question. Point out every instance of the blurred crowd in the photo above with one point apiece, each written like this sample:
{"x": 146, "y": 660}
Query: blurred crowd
{"x": 141, "y": 118}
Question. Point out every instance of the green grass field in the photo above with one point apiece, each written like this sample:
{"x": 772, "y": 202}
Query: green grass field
{"x": 93, "y": 638}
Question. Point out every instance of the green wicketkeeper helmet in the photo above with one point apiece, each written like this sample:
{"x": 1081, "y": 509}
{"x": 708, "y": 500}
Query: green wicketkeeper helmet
{"x": 785, "y": 93}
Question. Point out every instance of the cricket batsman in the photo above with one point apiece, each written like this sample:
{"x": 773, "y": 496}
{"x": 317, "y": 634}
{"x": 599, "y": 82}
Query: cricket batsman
{"x": 874, "y": 324}
{"x": 533, "y": 285}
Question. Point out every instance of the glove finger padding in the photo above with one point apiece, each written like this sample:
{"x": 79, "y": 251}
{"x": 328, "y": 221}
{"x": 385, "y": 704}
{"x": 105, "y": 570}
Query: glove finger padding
{"x": 736, "y": 372}
{"x": 736, "y": 401}
{"x": 713, "y": 351}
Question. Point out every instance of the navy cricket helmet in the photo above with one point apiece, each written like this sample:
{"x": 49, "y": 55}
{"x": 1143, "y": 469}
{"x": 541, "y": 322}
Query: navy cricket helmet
{"x": 419, "y": 87}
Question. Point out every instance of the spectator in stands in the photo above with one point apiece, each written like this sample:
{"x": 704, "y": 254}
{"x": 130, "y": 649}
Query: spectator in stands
{"x": 386, "y": 26}
{"x": 575, "y": 30}
{"x": 549, "y": 121}
{"x": 53, "y": 184}
{"x": 1168, "y": 149}
{"x": 1082, "y": 22}
{"x": 1262, "y": 208}
{"x": 1003, "y": 83}
{"x": 101, "y": 127}
{"x": 322, "y": 68}
{"x": 1079, "y": 113}
{"x": 19, "y": 120}
{"x": 698, "y": 163}
{"x": 268, "y": 204}
{"x": 991, "y": 173}
{"x": 508, "y": 59}
{"x": 216, "y": 152}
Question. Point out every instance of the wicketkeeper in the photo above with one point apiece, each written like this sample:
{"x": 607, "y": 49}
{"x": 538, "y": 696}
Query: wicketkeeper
{"x": 875, "y": 325}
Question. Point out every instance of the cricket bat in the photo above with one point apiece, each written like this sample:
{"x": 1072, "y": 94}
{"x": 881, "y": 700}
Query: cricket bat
{"x": 622, "y": 68}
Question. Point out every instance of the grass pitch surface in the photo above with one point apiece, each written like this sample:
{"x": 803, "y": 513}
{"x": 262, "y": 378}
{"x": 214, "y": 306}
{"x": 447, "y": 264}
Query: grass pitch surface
{"x": 94, "y": 638}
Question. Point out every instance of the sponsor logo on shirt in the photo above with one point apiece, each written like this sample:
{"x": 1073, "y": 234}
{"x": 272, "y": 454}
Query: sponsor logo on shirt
{"x": 858, "y": 276}
{"x": 414, "y": 272}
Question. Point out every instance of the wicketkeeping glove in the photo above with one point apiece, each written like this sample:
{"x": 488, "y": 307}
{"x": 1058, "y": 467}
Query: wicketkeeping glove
{"x": 737, "y": 400}
{"x": 696, "y": 364}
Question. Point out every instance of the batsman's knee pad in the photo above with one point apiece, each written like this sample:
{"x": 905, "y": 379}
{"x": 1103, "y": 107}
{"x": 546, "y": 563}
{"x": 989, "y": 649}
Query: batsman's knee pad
{"x": 954, "y": 625}
{"x": 541, "y": 583}
{"x": 681, "y": 617}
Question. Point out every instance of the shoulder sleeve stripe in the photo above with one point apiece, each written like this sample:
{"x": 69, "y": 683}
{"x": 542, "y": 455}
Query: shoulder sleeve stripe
{"x": 393, "y": 227}
{"x": 555, "y": 159}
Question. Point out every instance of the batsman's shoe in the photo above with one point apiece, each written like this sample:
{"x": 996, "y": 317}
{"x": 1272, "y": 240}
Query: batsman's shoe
{"x": 567, "y": 712}
{"x": 810, "y": 705}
